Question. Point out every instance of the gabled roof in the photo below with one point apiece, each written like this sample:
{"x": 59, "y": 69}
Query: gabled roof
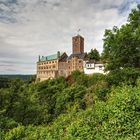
{"x": 51, "y": 57}
{"x": 94, "y": 61}
{"x": 78, "y": 55}
{"x": 63, "y": 57}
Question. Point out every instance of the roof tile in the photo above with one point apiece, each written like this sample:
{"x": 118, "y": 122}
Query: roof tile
{"x": 50, "y": 57}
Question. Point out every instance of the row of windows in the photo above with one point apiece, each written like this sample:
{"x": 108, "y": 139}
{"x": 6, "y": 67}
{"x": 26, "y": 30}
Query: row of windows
{"x": 89, "y": 65}
{"x": 47, "y": 67}
{"x": 45, "y": 72}
{"x": 99, "y": 68}
{"x": 48, "y": 62}
{"x": 53, "y": 67}
{"x": 48, "y": 72}
{"x": 80, "y": 61}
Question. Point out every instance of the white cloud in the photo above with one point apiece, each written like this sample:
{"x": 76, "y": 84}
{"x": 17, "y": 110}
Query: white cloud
{"x": 46, "y": 26}
{"x": 4, "y": 7}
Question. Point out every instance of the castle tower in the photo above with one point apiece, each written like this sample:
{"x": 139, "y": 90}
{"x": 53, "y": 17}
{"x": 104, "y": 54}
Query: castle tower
{"x": 77, "y": 44}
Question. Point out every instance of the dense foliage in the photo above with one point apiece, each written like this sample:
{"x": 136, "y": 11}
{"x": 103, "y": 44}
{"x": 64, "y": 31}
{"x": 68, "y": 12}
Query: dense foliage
{"x": 80, "y": 107}
{"x": 122, "y": 45}
{"x": 94, "y": 55}
{"x": 121, "y": 50}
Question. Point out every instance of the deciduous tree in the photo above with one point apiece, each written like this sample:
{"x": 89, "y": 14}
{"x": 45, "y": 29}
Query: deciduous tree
{"x": 122, "y": 45}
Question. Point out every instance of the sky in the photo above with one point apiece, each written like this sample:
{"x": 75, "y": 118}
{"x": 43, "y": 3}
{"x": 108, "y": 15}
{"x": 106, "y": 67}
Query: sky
{"x": 29, "y": 28}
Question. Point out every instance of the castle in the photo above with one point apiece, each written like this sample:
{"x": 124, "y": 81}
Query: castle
{"x": 60, "y": 64}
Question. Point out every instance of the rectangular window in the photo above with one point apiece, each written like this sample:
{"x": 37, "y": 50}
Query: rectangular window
{"x": 100, "y": 67}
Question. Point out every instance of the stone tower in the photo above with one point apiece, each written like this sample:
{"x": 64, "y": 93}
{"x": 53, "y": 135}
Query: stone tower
{"x": 77, "y": 44}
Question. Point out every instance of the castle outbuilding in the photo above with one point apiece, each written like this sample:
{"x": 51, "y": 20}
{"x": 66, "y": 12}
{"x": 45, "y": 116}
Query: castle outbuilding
{"x": 51, "y": 66}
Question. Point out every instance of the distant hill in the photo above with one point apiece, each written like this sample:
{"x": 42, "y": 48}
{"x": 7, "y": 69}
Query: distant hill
{"x": 5, "y": 80}
{"x": 18, "y": 76}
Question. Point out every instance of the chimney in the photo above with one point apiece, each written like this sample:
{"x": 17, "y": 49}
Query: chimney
{"x": 39, "y": 58}
{"x": 58, "y": 54}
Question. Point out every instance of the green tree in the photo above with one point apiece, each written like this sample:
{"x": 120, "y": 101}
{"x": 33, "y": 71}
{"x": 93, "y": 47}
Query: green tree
{"x": 70, "y": 98}
{"x": 94, "y": 54}
{"x": 122, "y": 46}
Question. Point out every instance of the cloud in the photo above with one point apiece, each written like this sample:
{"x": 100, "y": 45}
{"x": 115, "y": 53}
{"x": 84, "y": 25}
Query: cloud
{"x": 42, "y": 27}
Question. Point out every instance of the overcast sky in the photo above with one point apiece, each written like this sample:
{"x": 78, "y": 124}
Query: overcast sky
{"x": 29, "y": 28}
